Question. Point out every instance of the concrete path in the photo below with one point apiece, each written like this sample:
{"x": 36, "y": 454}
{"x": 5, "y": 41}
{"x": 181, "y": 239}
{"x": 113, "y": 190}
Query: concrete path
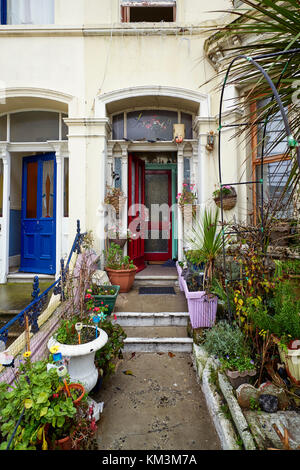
{"x": 159, "y": 407}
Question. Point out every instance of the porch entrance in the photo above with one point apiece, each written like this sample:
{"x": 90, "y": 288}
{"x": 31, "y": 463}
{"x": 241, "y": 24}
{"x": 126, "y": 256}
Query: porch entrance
{"x": 152, "y": 183}
{"x": 38, "y": 214}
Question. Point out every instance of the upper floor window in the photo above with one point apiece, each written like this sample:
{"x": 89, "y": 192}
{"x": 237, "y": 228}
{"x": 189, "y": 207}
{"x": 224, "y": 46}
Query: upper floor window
{"x": 135, "y": 11}
{"x": 27, "y": 12}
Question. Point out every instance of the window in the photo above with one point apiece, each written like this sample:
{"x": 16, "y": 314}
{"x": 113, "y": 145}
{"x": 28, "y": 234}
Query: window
{"x": 27, "y": 12}
{"x": 276, "y": 165}
{"x": 150, "y": 125}
{"x": 33, "y": 126}
{"x": 149, "y": 11}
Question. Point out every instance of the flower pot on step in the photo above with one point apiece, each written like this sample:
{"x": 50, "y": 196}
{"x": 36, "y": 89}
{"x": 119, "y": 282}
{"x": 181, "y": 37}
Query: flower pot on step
{"x": 107, "y": 299}
{"x": 122, "y": 277}
{"x": 202, "y": 307}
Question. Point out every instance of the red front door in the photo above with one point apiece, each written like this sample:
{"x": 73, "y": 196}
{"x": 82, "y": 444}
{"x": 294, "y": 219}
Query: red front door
{"x": 136, "y": 201}
{"x": 158, "y": 200}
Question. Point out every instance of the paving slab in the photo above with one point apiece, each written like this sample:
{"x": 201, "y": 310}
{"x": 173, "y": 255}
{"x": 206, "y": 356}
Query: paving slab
{"x": 133, "y": 302}
{"x": 156, "y": 405}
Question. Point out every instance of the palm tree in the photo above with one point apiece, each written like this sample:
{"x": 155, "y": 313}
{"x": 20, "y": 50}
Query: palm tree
{"x": 269, "y": 32}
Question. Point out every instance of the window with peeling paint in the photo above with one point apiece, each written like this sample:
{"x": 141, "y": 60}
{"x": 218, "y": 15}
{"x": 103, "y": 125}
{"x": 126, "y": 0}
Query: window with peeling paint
{"x": 153, "y": 11}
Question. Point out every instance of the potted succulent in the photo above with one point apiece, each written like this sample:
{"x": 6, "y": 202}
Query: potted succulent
{"x": 229, "y": 197}
{"x": 120, "y": 269}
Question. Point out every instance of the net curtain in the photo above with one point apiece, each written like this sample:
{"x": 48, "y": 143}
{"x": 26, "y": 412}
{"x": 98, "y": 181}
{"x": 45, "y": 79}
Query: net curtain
{"x": 30, "y": 11}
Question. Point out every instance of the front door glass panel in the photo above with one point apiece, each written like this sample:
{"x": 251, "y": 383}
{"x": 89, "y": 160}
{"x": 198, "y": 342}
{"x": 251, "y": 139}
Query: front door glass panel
{"x": 32, "y": 190}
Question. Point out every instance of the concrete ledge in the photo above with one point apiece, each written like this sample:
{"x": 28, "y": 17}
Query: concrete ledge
{"x": 224, "y": 428}
{"x": 236, "y": 413}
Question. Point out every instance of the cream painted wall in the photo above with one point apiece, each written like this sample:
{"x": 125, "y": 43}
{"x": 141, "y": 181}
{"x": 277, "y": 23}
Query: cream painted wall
{"x": 72, "y": 59}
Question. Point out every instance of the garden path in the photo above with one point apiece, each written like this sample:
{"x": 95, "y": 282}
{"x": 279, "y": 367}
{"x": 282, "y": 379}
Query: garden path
{"x": 153, "y": 402}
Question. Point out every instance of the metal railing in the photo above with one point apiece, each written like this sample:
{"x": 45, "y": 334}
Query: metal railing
{"x": 35, "y": 308}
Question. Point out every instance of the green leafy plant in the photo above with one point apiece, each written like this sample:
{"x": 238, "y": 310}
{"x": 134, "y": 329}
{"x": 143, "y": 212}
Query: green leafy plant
{"x": 228, "y": 343}
{"x": 115, "y": 258}
{"x": 225, "y": 190}
{"x": 41, "y": 395}
{"x": 207, "y": 240}
{"x": 105, "y": 358}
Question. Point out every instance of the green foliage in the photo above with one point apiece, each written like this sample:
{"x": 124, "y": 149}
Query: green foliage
{"x": 41, "y": 393}
{"x": 282, "y": 318}
{"x": 106, "y": 356}
{"x": 115, "y": 258}
{"x": 207, "y": 240}
{"x": 226, "y": 341}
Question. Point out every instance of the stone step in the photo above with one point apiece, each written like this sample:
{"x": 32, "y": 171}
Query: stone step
{"x": 149, "y": 281}
{"x": 156, "y": 331}
{"x": 28, "y": 277}
{"x": 152, "y": 319}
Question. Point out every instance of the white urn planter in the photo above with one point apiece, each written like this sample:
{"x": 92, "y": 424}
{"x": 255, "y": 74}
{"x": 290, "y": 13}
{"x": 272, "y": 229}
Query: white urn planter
{"x": 81, "y": 366}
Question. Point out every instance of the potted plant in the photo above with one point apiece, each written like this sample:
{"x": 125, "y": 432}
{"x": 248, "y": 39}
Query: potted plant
{"x": 103, "y": 295}
{"x": 228, "y": 344}
{"x": 229, "y": 197}
{"x": 47, "y": 409}
{"x": 116, "y": 234}
{"x": 120, "y": 269}
{"x": 79, "y": 335}
{"x": 187, "y": 201}
{"x": 207, "y": 241}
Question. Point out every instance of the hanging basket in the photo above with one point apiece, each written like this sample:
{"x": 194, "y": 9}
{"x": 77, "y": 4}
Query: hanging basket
{"x": 229, "y": 200}
{"x": 188, "y": 212}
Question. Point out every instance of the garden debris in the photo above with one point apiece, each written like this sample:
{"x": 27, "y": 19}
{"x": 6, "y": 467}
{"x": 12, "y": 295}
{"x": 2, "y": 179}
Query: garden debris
{"x": 170, "y": 354}
{"x": 268, "y": 403}
{"x": 284, "y": 439}
{"x": 264, "y": 433}
{"x": 128, "y": 372}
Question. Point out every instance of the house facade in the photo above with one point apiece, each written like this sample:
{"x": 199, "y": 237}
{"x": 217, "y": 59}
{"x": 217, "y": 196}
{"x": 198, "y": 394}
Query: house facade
{"x": 91, "y": 93}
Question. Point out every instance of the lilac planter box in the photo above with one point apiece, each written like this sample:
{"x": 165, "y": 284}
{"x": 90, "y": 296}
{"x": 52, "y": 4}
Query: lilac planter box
{"x": 202, "y": 309}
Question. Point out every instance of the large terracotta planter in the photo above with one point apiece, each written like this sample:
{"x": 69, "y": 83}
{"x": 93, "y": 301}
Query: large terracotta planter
{"x": 122, "y": 277}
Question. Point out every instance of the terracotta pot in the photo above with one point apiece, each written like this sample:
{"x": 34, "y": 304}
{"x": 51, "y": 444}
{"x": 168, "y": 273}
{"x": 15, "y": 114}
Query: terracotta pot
{"x": 122, "y": 277}
{"x": 64, "y": 444}
{"x": 119, "y": 241}
{"x": 77, "y": 387}
{"x": 237, "y": 378}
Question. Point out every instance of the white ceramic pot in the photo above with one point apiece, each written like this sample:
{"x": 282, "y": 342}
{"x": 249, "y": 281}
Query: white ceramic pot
{"x": 291, "y": 358}
{"x": 81, "y": 366}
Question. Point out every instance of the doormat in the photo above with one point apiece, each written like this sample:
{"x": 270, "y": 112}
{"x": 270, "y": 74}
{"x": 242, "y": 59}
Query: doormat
{"x": 156, "y": 290}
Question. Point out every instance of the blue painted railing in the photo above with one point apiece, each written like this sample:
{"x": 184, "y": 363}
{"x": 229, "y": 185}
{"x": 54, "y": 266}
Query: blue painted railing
{"x": 35, "y": 308}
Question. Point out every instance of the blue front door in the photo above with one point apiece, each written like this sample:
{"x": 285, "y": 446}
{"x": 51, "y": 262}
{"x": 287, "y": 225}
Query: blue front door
{"x": 38, "y": 237}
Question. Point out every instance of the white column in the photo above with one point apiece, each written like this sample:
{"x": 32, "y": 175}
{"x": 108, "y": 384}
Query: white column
{"x": 4, "y": 260}
{"x": 180, "y": 175}
{"x": 61, "y": 151}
